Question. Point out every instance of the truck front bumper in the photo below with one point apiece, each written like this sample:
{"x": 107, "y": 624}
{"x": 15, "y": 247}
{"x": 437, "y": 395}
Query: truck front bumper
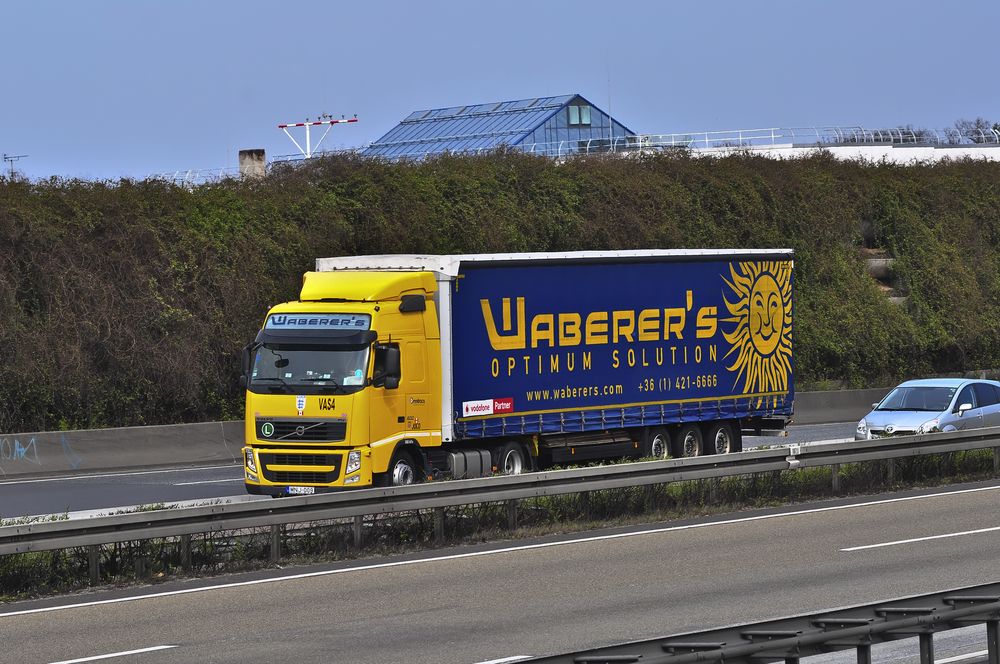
{"x": 281, "y": 471}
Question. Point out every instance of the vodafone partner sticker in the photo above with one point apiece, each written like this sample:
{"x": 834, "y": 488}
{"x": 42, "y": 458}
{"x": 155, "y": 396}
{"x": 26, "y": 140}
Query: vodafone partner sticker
{"x": 488, "y": 407}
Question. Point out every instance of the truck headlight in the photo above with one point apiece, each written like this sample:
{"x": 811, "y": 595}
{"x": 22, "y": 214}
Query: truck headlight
{"x": 353, "y": 462}
{"x": 929, "y": 426}
{"x": 251, "y": 463}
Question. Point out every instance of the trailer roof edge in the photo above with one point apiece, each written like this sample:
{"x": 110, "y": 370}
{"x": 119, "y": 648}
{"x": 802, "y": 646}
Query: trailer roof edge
{"x": 451, "y": 265}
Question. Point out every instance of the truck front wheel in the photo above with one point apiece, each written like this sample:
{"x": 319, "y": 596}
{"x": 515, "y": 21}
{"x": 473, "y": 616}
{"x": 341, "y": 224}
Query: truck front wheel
{"x": 689, "y": 441}
{"x": 402, "y": 471}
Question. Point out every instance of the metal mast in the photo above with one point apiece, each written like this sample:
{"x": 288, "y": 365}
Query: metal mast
{"x": 307, "y": 152}
{"x": 12, "y": 158}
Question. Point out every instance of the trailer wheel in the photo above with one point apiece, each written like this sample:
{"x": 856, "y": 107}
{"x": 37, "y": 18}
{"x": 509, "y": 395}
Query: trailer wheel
{"x": 656, "y": 443}
{"x": 720, "y": 439}
{"x": 402, "y": 471}
{"x": 689, "y": 442}
{"x": 510, "y": 460}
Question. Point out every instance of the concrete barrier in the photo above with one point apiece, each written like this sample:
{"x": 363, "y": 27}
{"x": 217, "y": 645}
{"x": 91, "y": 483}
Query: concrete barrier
{"x": 835, "y": 405}
{"x": 96, "y": 450}
{"x": 176, "y": 445}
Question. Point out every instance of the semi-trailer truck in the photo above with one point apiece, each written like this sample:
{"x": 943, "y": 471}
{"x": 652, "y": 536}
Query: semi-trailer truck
{"x": 395, "y": 369}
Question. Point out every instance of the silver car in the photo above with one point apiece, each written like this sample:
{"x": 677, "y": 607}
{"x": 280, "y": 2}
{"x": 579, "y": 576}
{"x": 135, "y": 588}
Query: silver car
{"x": 933, "y": 404}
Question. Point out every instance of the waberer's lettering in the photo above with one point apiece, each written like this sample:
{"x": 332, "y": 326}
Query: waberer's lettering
{"x": 569, "y": 330}
{"x": 596, "y": 328}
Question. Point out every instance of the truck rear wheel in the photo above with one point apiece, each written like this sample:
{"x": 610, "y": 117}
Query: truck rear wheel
{"x": 720, "y": 439}
{"x": 510, "y": 460}
{"x": 656, "y": 443}
{"x": 689, "y": 442}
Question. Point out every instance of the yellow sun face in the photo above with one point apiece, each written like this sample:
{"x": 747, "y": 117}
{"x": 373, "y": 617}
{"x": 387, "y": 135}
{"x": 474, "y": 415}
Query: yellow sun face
{"x": 761, "y": 338}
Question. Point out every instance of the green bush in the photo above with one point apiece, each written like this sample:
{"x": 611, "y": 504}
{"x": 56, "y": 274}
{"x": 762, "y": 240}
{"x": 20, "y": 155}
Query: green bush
{"x": 126, "y": 303}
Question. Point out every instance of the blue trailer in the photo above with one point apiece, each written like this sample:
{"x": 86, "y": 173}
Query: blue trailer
{"x": 554, "y": 357}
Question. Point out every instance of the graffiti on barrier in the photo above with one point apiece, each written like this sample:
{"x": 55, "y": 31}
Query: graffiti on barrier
{"x": 72, "y": 457}
{"x": 12, "y": 449}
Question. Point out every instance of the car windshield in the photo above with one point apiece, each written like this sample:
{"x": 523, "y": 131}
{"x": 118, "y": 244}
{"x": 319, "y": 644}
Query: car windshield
{"x": 934, "y": 399}
{"x": 310, "y": 369}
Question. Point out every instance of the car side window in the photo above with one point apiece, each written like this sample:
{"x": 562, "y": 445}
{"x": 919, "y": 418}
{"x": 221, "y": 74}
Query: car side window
{"x": 965, "y": 396}
{"x": 986, "y": 395}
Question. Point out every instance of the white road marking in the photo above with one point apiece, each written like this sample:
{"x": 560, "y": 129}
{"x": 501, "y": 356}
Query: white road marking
{"x": 515, "y": 658}
{"x": 492, "y": 552}
{"x": 114, "y": 654}
{"x": 233, "y": 479}
{"x": 97, "y": 476}
{"x": 959, "y": 658}
{"x": 922, "y": 539}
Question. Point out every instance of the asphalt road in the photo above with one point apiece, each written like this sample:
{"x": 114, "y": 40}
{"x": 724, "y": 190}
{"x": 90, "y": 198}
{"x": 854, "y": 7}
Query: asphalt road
{"x": 499, "y": 601}
{"x": 104, "y": 492}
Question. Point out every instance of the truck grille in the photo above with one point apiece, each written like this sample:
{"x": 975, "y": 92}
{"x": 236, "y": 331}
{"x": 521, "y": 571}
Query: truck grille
{"x": 300, "y": 475}
{"x": 295, "y": 431}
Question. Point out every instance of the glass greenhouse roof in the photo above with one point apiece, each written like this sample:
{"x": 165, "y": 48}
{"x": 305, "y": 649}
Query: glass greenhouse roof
{"x": 466, "y": 128}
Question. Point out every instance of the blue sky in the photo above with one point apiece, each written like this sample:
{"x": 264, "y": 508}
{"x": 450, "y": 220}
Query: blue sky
{"x": 102, "y": 89}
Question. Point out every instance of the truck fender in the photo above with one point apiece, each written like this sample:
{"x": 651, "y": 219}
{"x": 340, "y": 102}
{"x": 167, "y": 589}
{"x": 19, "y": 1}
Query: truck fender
{"x": 411, "y": 446}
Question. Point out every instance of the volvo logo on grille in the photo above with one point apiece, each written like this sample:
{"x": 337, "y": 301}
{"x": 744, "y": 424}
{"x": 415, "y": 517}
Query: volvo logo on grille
{"x": 267, "y": 429}
{"x": 299, "y": 430}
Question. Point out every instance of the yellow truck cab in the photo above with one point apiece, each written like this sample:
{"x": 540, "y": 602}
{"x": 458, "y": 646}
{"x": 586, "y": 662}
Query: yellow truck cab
{"x": 329, "y": 400}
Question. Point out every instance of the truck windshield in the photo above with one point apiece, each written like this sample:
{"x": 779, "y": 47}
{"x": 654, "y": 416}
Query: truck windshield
{"x": 309, "y": 369}
{"x": 934, "y": 399}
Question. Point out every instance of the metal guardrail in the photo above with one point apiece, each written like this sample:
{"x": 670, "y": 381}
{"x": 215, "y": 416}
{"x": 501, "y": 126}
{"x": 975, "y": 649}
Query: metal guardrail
{"x": 790, "y": 639}
{"x": 51, "y": 535}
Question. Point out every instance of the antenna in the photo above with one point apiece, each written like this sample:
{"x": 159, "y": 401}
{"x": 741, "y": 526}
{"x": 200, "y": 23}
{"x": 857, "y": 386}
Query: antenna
{"x": 325, "y": 119}
{"x": 12, "y": 158}
{"x": 611, "y": 118}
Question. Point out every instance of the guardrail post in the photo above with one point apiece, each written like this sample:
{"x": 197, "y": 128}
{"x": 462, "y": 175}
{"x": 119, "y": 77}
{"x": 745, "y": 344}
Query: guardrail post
{"x": 511, "y": 514}
{"x": 186, "y": 552}
{"x": 141, "y": 566}
{"x": 835, "y": 477}
{"x": 275, "y": 543}
{"x": 439, "y": 525}
{"x": 926, "y": 648}
{"x": 890, "y": 471}
{"x": 94, "y": 561}
{"x": 993, "y": 641}
{"x": 585, "y": 505}
{"x": 359, "y": 535}
{"x": 996, "y": 460}
{"x": 865, "y": 653}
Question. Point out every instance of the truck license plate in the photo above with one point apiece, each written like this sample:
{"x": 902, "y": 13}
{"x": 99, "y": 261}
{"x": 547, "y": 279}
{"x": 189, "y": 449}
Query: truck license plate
{"x": 300, "y": 490}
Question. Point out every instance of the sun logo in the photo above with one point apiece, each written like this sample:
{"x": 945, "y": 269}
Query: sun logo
{"x": 762, "y": 337}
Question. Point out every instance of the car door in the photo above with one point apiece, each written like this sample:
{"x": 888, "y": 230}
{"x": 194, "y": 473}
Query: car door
{"x": 970, "y": 419}
{"x": 988, "y": 403}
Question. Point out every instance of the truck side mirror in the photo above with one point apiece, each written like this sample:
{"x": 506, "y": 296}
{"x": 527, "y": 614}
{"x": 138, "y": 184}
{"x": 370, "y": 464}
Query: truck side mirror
{"x": 245, "y": 359}
{"x": 387, "y": 367}
{"x": 245, "y": 356}
{"x": 393, "y": 370}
